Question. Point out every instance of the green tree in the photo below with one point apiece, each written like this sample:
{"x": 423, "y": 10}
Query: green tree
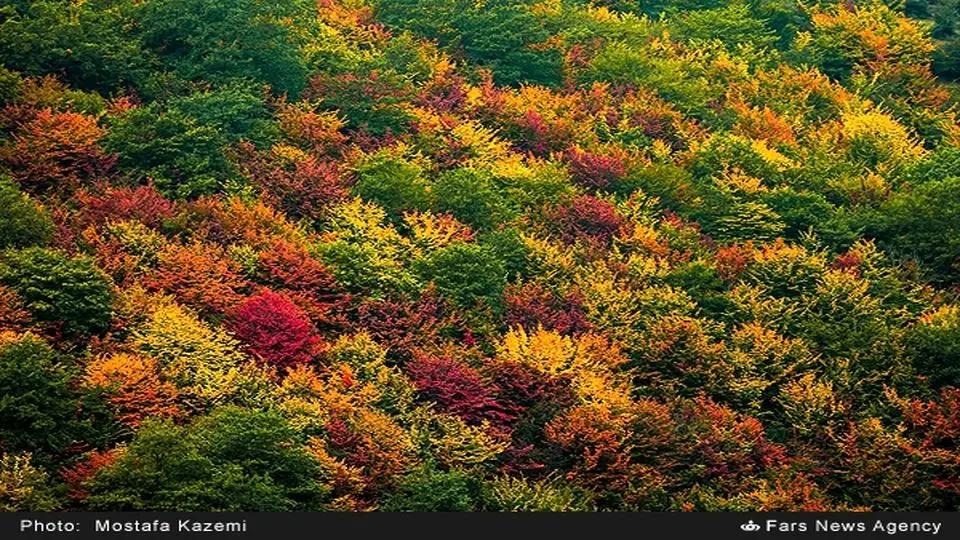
{"x": 226, "y": 40}
{"x": 430, "y": 490}
{"x": 925, "y": 223}
{"x": 394, "y": 184}
{"x": 70, "y": 293}
{"x": 500, "y": 35}
{"x": 37, "y": 404}
{"x": 92, "y": 44}
{"x": 470, "y": 196}
{"x": 184, "y": 157}
{"x": 23, "y": 223}
{"x": 232, "y": 460}
{"x": 465, "y": 273}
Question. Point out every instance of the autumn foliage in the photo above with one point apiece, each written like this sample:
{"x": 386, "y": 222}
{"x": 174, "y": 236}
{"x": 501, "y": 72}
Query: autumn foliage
{"x": 433, "y": 255}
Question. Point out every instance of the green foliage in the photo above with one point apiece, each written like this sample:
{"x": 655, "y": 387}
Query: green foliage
{"x": 232, "y": 460}
{"x": 465, "y": 273}
{"x": 37, "y": 404}
{"x": 91, "y": 44}
{"x": 220, "y": 41}
{"x": 733, "y": 24}
{"x": 925, "y": 224}
{"x": 72, "y": 294}
{"x": 470, "y": 196}
{"x": 23, "y": 223}
{"x": 934, "y": 343}
{"x": 507, "y": 245}
{"x": 500, "y": 36}
{"x": 394, "y": 184}
{"x": 430, "y": 490}
{"x": 184, "y": 157}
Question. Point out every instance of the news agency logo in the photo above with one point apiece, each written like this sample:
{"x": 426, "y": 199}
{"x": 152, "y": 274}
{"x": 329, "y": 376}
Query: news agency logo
{"x": 750, "y": 526}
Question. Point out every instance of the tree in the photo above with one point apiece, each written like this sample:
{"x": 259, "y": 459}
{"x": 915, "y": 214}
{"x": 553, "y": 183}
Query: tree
{"x": 92, "y": 45}
{"x": 275, "y": 330}
{"x": 465, "y": 273}
{"x": 133, "y": 387}
{"x": 925, "y": 223}
{"x": 503, "y": 37}
{"x": 232, "y": 460}
{"x": 71, "y": 294}
{"x": 221, "y": 41}
{"x": 24, "y": 487}
{"x": 457, "y": 389}
{"x": 470, "y": 196}
{"x": 395, "y": 185}
{"x": 37, "y": 405}
{"x": 184, "y": 157}
{"x": 56, "y": 151}
{"x": 430, "y": 490}
{"x": 201, "y": 276}
{"x": 23, "y": 222}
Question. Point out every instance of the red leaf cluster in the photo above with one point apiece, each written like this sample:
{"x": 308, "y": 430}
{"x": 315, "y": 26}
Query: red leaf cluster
{"x": 457, "y": 389}
{"x": 56, "y": 151}
{"x": 531, "y": 305}
{"x": 597, "y": 171}
{"x": 587, "y": 218}
{"x": 275, "y": 330}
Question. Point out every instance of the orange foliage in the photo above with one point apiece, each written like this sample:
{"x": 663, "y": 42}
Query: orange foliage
{"x": 133, "y": 387}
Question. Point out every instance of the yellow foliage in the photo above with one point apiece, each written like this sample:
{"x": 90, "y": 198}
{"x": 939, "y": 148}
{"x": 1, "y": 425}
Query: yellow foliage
{"x": 453, "y": 442}
{"x": 431, "y": 231}
{"x": 590, "y": 360}
{"x": 878, "y": 137}
{"x": 19, "y": 483}
{"x": 941, "y": 318}
{"x": 205, "y": 363}
{"x": 809, "y": 404}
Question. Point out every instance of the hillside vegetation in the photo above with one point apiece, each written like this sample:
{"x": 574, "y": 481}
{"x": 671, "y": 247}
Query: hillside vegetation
{"x": 505, "y": 255}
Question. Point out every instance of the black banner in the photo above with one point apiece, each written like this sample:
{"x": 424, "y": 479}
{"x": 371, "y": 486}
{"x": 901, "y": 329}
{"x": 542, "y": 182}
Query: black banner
{"x": 585, "y": 525}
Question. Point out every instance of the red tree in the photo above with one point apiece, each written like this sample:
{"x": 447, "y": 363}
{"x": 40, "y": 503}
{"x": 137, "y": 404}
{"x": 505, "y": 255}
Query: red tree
{"x": 302, "y": 278}
{"x": 142, "y": 203}
{"x": 275, "y": 330}
{"x": 56, "y": 150}
{"x": 530, "y": 306}
{"x": 457, "y": 389}
{"x": 303, "y": 188}
{"x": 594, "y": 170}
{"x": 587, "y": 218}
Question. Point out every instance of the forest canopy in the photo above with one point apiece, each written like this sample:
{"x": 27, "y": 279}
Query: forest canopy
{"x": 452, "y": 255}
